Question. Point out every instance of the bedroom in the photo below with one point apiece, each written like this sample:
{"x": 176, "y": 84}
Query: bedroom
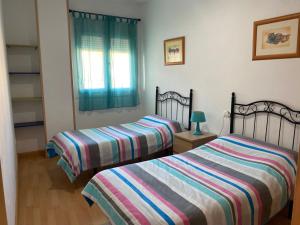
{"x": 218, "y": 61}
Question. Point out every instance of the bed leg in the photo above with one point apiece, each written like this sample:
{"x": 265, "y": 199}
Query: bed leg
{"x": 290, "y": 209}
{"x": 171, "y": 151}
{"x": 95, "y": 171}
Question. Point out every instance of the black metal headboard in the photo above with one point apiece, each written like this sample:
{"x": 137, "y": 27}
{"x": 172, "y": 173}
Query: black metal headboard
{"x": 267, "y": 107}
{"x": 176, "y": 104}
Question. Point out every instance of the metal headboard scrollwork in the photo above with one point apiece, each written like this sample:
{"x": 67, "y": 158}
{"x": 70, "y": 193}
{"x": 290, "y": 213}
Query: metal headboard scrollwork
{"x": 267, "y": 107}
{"x": 173, "y": 105}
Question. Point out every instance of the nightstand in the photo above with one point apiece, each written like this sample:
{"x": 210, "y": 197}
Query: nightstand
{"x": 186, "y": 141}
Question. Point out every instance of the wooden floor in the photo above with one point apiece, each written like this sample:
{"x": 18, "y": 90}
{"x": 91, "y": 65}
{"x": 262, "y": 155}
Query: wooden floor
{"x": 46, "y": 197}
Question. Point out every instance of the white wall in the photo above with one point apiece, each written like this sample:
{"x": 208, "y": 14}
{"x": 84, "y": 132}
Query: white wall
{"x": 218, "y": 54}
{"x": 54, "y": 47}
{"x": 7, "y": 149}
{"x": 20, "y": 24}
{"x": 124, "y": 8}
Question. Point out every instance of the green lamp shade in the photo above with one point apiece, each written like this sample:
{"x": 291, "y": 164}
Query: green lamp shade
{"x": 198, "y": 116}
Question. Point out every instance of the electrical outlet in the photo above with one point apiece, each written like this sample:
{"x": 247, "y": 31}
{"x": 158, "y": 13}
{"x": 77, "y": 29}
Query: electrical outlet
{"x": 226, "y": 114}
{"x": 204, "y": 127}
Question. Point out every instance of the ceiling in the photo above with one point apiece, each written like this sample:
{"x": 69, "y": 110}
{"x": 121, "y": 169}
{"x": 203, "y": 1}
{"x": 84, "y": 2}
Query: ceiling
{"x": 140, "y": 1}
{"x": 133, "y": 1}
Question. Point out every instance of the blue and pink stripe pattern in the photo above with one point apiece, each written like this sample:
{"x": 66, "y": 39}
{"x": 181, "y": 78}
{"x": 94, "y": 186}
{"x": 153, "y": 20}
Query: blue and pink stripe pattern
{"x": 229, "y": 181}
{"x": 86, "y": 149}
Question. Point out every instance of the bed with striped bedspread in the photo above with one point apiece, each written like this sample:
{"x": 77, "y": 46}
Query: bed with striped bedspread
{"x": 229, "y": 181}
{"x": 86, "y": 149}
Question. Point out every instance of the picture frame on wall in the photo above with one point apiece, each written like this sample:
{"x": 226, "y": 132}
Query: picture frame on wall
{"x": 277, "y": 38}
{"x": 174, "y": 51}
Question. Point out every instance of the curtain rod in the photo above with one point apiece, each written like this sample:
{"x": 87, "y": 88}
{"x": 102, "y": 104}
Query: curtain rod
{"x": 70, "y": 10}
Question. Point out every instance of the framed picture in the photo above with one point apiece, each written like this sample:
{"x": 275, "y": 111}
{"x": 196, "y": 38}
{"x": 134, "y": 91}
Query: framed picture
{"x": 174, "y": 51}
{"x": 277, "y": 38}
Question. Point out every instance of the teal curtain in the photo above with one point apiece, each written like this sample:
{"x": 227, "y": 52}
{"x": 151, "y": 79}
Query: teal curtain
{"x": 104, "y": 61}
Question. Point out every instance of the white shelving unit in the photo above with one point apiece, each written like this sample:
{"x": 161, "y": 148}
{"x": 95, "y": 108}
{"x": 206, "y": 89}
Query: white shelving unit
{"x": 27, "y": 98}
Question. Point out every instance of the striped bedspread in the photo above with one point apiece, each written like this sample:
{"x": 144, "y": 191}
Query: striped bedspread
{"x": 229, "y": 181}
{"x": 86, "y": 149}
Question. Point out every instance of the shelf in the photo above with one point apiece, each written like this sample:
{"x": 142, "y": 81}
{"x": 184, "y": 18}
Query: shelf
{"x": 27, "y": 99}
{"x": 29, "y": 124}
{"x": 21, "y": 46}
{"x": 25, "y": 73}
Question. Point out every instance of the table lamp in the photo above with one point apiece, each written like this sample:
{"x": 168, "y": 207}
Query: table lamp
{"x": 198, "y": 117}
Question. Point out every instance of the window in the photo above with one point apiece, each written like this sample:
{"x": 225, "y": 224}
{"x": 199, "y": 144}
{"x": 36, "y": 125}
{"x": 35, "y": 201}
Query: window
{"x": 104, "y": 60}
{"x": 93, "y": 69}
{"x": 93, "y": 66}
{"x": 120, "y": 63}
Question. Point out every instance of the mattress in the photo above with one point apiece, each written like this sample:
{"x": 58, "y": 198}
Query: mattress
{"x": 230, "y": 180}
{"x": 82, "y": 150}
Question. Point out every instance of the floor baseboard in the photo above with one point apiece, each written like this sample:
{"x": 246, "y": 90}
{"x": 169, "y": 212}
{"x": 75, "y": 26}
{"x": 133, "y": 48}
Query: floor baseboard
{"x": 32, "y": 154}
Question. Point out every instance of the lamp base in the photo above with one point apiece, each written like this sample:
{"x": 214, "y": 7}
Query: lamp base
{"x": 197, "y": 133}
